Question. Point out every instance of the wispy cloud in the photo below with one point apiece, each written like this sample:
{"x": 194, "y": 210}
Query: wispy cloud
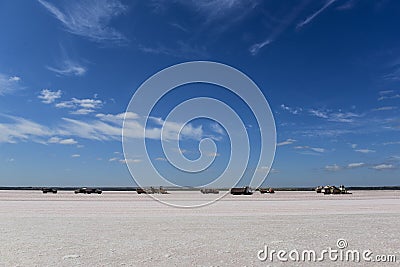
{"x": 355, "y": 165}
{"x": 381, "y": 167}
{"x": 394, "y": 75}
{"x": 90, "y": 19}
{"x": 278, "y": 26}
{"x": 314, "y": 15}
{"x": 339, "y": 116}
{"x": 313, "y": 149}
{"x": 294, "y": 111}
{"x": 130, "y": 160}
{"x": 286, "y": 142}
{"x": 392, "y": 143}
{"x": 255, "y": 48}
{"x": 384, "y": 108}
{"x": 75, "y": 156}
{"x": 365, "y": 151}
{"x": 81, "y": 106}
{"x": 105, "y": 127}
{"x": 20, "y": 129}
{"x": 68, "y": 68}
{"x": 57, "y": 140}
{"x": 49, "y": 96}
{"x": 389, "y": 96}
{"x": 333, "y": 168}
{"x": 347, "y": 5}
{"x": 9, "y": 84}
{"x": 179, "y": 50}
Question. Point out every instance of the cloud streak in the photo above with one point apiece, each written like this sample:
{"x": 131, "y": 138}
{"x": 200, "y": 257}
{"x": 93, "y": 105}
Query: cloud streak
{"x": 90, "y": 19}
{"x": 314, "y": 15}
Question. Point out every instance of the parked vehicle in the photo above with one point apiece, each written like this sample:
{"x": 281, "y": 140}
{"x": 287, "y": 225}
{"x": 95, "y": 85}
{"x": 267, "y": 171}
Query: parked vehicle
{"x": 85, "y": 190}
{"x": 209, "y": 191}
{"x": 266, "y": 190}
{"x": 241, "y": 191}
{"x": 46, "y": 190}
{"x": 151, "y": 190}
{"x": 333, "y": 190}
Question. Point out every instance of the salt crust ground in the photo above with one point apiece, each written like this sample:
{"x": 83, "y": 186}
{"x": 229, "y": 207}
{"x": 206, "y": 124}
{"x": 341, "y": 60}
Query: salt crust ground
{"x": 126, "y": 229}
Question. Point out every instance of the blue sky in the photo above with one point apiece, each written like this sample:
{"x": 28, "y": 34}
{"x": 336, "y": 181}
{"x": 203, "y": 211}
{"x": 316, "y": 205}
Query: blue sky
{"x": 329, "y": 69}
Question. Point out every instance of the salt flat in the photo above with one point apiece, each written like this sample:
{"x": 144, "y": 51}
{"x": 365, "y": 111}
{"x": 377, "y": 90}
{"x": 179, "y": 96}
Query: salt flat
{"x": 127, "y": 229}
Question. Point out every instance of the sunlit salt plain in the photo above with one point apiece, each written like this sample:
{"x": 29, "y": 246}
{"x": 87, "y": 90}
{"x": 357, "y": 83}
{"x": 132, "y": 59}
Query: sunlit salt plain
{"x": 127, "y": 229}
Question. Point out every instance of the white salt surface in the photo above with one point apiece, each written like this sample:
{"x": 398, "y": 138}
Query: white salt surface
{"x": 127, "y": 229}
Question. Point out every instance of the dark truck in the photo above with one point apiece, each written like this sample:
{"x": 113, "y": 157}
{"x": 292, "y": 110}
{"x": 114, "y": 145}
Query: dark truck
{"x": 241, "y": 191}
{"x": 85, "y": 190}
{"x": 209, "y": 191}
{"x": 266, "y": 190}
{"x": 46, "y": 190}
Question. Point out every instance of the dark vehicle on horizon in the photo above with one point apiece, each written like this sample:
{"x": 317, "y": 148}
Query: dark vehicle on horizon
{"x": 333, "y": 190}
{"x": 266, "y": 190}
{"x": 209, "y": 191}
{"x": 241, "y": 191}
{"x": 46, "y": 190}
{"x": 151, "y": 190}
{"x": 85, "y": 190}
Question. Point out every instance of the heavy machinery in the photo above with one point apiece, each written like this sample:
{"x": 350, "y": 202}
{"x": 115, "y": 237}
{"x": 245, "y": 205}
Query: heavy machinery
{"x": 209, "y": 191}
{"x": 241, "y": 191}
{"x": 46, "y": 190}
{"x": 266, "y": 190}
{"x": 85, "y": 190}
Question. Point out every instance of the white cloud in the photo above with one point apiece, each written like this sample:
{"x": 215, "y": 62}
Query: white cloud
{"x": 14, "y": 79}
{"x": 381, "y": 167}
{"x": 81, "y": 106}
{"x": 20, "y": 129}
{"x": 392, "y": 143}
{"x": 318, "y": 113}
{"x": 57, "y": 140}
{"x": 365, "y": 151}
{"x": 113, "y": 159}
{"x": 333, "y": 168}
{"x": 68, "y": 67}
{"x": 318, "y": 149}
{"x": 255, "y": 48}
{"x": 265, "y": 169}
{"x": 75, "y": 156}
{"x": 217, "y": 128}
{"x": 9, "y": 84}
{"x": 355, "y": 165}
{"x": 161, "y": 159}
{"x": 287, "y": 142}
{"x": 334, "y": 116}
{"x": 49, "y": 96}
{"x": 385, "y": 92}
{"x": 130, "y": 160}
{"x": 89, "y": 18}
{"x": 314, "y": 15}
{"x": 384, "y": 108}
{"x": 383, "y": 97}
{"x": 69, "y": 141}
{"x": 294, "y": 111}
{"x": 314, "y": 149}
{"x": 106, "y": 127}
